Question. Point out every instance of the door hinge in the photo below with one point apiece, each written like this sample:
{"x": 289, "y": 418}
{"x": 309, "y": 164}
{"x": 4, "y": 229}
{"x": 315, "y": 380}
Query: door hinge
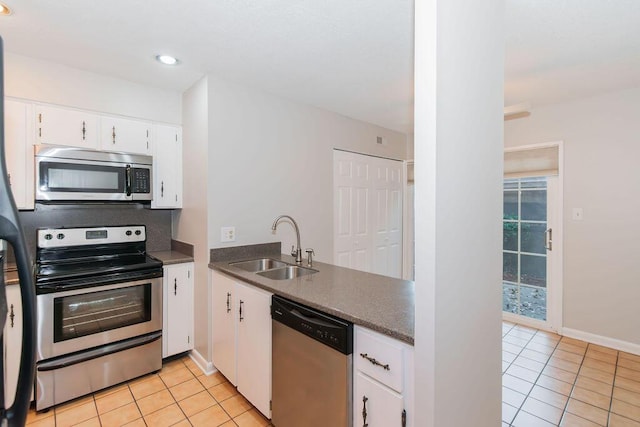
{"x": 188, "y": 274}
{"x": 39, "y": 117}
{"x": 271, "y": 405}
{"x": 176, "y": 197}
{"x": 188, "y": 339}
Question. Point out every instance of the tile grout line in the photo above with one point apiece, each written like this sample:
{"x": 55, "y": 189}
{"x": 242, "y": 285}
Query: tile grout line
{"x": 537, "y": 378}
{"x": 613, "y": 387}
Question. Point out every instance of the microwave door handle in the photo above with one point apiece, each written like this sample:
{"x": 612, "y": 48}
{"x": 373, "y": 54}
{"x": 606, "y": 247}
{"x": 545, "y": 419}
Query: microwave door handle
{"x": 128, "y": 180}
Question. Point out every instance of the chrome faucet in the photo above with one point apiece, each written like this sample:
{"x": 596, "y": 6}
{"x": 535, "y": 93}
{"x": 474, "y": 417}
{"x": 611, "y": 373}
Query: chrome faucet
{"x": 297, "y": 252}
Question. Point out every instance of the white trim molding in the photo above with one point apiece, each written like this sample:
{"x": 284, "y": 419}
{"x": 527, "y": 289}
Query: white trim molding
{"x": 206, "y": 367}
{"x": 614, "y": 343}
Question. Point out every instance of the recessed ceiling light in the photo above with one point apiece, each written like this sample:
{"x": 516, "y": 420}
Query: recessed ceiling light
{"x": 4, "y": 10}
{"x": 167, "y": 60}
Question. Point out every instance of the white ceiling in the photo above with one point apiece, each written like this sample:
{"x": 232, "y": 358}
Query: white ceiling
{"x": 353, "y": 57}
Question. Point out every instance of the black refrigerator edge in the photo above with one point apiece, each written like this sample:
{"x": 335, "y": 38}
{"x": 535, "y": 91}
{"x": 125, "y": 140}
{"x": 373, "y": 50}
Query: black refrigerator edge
{"x": 11, "y": 233}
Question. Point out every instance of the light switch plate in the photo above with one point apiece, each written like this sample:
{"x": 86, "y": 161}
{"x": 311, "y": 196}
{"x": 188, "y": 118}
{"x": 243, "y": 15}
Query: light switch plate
{"x": 227, "y": 234}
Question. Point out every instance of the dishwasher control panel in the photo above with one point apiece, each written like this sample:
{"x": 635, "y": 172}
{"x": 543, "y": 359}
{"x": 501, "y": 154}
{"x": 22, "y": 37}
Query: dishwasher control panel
{"x": 329, "y": 330}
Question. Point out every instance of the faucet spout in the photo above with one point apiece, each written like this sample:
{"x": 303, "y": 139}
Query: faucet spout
{"x": 298, "y": 251}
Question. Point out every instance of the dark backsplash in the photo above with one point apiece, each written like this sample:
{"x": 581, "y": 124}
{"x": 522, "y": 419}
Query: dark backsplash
{"x": 158, "y": 222}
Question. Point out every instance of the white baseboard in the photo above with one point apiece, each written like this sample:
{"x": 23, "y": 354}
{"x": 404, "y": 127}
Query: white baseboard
{"x": 206, "y": 367}
{"x": 601, "y": 340}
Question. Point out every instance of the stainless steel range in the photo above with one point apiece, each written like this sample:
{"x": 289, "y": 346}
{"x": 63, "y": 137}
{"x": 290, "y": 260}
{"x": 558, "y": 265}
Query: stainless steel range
{"x": 99, "y": 310}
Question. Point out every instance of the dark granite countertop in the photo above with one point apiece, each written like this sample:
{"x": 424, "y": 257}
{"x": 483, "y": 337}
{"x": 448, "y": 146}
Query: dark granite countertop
{"x": 381, "y": 303}
{"x": 171, "y": 257}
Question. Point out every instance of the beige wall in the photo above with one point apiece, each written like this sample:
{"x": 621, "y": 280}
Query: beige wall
{"x": 601, "y": 253}
{"x": 190, "y": 223}
{"x": 270, "y": 156}
{"x": 45, "y": 81}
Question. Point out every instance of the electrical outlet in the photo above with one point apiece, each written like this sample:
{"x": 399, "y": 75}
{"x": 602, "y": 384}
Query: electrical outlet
{"x": 227, "y": 234}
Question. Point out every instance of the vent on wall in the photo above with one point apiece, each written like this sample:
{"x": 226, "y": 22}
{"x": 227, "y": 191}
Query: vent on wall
{"x": 381, "y": 140}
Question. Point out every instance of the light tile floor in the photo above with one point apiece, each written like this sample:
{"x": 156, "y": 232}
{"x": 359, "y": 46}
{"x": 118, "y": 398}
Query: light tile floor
{"x": 179, "y": 395}
{"x": 549, "y": 380}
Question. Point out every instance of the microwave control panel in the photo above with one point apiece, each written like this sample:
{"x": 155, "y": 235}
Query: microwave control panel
{"x": 141, "y": 180}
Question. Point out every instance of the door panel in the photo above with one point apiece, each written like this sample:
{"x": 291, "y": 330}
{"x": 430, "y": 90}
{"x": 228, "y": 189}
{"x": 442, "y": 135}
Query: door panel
{"x": 368, "y": 213}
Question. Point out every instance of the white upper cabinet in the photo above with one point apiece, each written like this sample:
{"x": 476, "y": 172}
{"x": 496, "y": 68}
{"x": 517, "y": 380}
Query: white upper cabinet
{"x": 167, "y": 167}
{"x": 125, "y": 135}
{"x": 19, "y": 151}
{"x": 65, "y": 126}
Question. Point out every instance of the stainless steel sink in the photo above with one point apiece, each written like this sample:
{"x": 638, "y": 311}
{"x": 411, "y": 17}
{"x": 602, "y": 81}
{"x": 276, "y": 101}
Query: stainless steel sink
{"x": 261, "y": 264}
{"x": 286, "y": 273}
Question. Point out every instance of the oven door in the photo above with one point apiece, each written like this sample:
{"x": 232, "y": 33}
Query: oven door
{"x": 82, "y": 319}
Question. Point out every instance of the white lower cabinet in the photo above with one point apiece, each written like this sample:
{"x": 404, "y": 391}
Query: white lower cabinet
{"x": 376, "y": 404}
{"x": 177, "y": 302}
{"x": 12, "y": 338}
{"x": 383, "y": 380}
{"x": 242, "y": 338}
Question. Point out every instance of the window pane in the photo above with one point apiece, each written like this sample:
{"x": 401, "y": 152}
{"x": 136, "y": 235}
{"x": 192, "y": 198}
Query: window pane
{"x": 510, "y": 208}
{"x": 510, "y": 298}
{"x": 533, "y": 270}
{"x": 511, "y": 184}
{"x": 510, "y": 236}
{"x": 534, "y": 205}
{"x": 534, "y": 182}
{"x": 510, "y": 267}
{"x": 533, "y": 238}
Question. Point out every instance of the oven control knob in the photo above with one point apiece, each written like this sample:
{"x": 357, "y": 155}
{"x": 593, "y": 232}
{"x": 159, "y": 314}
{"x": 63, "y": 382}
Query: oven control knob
{"x": 60, "y": 236}
{"x": 48, "y": 236}
{"x": 138, "y": 232}
{"x": 128, "y": 233}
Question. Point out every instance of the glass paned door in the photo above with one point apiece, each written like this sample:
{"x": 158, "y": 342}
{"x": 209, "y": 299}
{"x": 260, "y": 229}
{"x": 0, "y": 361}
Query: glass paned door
{"x": 524, "y": 247}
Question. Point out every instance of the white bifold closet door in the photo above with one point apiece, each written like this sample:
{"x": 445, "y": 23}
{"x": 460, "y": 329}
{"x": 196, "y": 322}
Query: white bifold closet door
{"x": 367, "y": 219}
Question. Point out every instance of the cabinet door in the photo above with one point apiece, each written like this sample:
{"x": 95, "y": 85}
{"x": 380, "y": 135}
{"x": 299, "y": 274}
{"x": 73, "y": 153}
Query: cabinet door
{"x": 167, "y": 167}
{"x": 374, "y": 404}
{"x": 12, "y": 343}
{"x": 224, "y": 325}
{"x": 62, "y": 126}
{"x": 125, "y": 135}
{"x": 254, "y": 346}
{"x": 19, "y": 151}
{"x": 178, "y": 333}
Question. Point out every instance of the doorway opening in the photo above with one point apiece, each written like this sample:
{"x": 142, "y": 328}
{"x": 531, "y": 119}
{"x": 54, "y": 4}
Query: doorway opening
{"x": 532, "y": 236}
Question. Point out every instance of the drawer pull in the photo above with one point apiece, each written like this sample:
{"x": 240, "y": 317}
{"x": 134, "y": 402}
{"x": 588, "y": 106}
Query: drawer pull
{"x": 375, "y": 362}
{"x": 228, "y": 302}
{"x": 364, "y": 411}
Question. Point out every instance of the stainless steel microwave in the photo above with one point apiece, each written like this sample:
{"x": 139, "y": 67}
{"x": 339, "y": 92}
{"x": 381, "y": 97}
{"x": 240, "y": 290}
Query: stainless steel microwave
{"x": 72, "y": 174}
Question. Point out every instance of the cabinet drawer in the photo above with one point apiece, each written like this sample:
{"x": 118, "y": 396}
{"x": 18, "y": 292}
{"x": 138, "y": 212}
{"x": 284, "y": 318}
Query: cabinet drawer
{"x": 379, "y": 357}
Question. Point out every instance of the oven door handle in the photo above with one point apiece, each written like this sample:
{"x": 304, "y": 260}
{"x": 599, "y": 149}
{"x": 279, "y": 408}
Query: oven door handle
{"x": 65, "y": 361}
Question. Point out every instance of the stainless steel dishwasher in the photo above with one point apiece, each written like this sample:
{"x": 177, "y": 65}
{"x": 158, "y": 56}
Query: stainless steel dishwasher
{"x": 312, "y": 367}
